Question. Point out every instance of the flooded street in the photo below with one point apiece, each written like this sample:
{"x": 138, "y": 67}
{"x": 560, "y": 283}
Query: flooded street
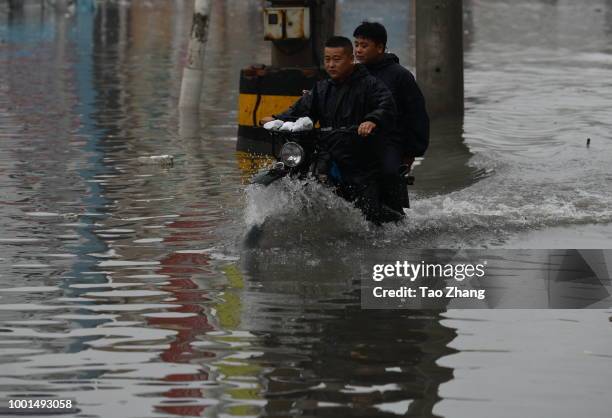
{"x": 125, "y": 283}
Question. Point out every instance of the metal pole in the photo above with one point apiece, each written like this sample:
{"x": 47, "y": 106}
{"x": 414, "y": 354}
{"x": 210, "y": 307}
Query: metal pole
{"x": 439, "y": 55}
{"x": 191, "y": 85}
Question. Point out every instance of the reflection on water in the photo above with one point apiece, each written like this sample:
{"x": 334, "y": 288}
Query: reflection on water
{"x": 446, "y": 166}
{"x": 125, "y": 286}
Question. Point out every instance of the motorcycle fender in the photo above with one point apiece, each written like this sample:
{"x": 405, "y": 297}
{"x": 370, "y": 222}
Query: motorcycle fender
{"x": 267, "y": 177}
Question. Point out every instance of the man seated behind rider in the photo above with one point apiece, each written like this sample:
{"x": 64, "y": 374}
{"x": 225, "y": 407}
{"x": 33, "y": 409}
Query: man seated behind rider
{"x": 349, "y": 97}
{"x": 410, "y": 137}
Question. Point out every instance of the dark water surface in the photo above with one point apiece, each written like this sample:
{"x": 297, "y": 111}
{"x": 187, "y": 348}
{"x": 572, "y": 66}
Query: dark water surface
{"x": 124, "y": 284}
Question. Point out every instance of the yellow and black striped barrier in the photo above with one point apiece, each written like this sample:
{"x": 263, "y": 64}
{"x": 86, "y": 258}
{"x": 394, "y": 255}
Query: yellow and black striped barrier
{"x": 265, "y": 91}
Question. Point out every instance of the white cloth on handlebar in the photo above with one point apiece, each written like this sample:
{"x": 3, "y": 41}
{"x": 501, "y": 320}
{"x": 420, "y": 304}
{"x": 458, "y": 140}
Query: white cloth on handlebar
{"x": 273, "y": 125}
{"x": 302, "y": 124}
{"x": 286, "y": 126}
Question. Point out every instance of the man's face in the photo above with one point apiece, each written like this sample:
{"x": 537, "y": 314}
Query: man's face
{"x": 368, "y": 51}
{"x": 338, "y": 62}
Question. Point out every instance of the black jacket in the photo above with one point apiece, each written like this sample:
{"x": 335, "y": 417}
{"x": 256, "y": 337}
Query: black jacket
{"x": 412, "y": 129}
{"x": 360, "y": 98}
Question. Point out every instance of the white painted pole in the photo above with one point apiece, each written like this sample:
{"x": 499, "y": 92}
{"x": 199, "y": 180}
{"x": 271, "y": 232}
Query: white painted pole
{"x": 191, "y": 85}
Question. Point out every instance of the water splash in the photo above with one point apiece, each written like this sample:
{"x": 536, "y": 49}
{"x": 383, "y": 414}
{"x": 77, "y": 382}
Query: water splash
{"x": 510, "y": 200}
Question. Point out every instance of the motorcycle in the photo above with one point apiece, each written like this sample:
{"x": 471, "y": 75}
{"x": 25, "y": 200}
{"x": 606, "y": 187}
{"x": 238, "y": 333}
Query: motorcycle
{"x": 310, "y": 155}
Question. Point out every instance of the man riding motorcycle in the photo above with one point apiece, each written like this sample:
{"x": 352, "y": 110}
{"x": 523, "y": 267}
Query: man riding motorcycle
{"x": 350, "y": 97}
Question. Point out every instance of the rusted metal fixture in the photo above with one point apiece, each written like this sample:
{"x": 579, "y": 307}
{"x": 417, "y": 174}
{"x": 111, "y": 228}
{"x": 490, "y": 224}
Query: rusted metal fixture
{"x": 286, "y": 23}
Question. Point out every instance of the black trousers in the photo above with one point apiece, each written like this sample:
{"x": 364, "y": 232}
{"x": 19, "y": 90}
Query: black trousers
{"x": 393, "y": 188}
{"x": 367, "y": 198}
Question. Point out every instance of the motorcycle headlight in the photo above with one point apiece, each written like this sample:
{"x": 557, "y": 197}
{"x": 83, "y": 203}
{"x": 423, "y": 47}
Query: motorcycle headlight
{"x": 292, "y": 154}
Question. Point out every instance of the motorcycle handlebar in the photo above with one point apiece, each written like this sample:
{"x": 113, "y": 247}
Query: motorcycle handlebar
{"x": 343, "y": 129}
{"x": 353, "y": 129}
{"x": 322, "y": 133}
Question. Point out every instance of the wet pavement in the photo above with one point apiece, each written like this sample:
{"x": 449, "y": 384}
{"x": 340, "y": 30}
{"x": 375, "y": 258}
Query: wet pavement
{"x": 125, "y": 284}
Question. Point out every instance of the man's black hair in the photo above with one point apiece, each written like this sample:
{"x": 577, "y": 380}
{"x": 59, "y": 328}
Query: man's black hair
{"x": 340, "y": 42}
{"x": 373, "y": 31}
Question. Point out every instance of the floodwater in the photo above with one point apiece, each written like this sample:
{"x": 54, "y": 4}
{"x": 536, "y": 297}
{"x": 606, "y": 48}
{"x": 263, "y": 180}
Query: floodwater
{"x": 125, "y": 285}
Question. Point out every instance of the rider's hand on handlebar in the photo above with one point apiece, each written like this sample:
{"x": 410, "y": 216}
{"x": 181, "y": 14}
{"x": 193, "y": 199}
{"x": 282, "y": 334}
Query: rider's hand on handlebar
{"x": 366, "y": 128}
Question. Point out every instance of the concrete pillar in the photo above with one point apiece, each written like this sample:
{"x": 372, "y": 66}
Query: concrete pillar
{"x": 292, "y": 53}
{"x": 297, "y": 53}
{"x": 439, "y": 55}
{"x": 193, "y": 73}
{"x": 325, "y": 22}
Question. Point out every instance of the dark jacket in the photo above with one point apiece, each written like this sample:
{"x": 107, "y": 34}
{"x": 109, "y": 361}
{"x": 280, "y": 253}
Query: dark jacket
{"x": 360, "y": 98}
{"x": 412, "y": 129}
